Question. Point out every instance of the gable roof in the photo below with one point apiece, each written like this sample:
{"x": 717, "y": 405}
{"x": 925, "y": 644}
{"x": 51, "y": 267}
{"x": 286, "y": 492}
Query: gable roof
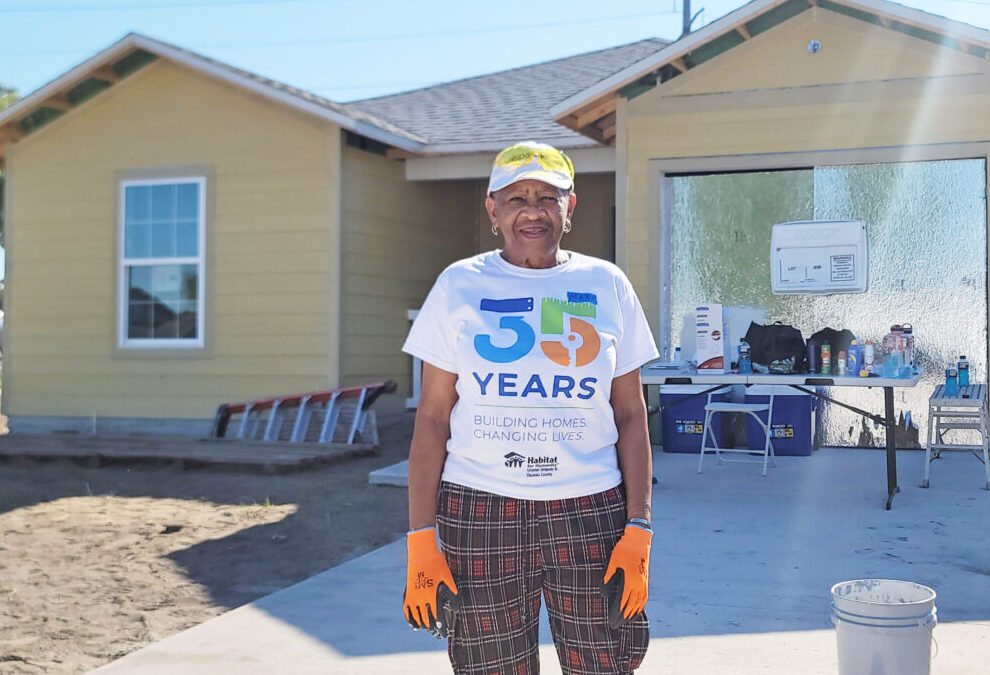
{"x": 474, "y": 114}
{"x": 134, "y": 51}
{"x": 487, "y": 112}
{"x": 585, "y": 110}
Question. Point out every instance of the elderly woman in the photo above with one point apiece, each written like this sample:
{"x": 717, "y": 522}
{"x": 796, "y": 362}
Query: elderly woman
{"x": 530, "y": 456}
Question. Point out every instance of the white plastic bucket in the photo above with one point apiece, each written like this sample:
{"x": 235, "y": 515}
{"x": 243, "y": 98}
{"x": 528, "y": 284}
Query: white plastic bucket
{"x": 883, "y": 627}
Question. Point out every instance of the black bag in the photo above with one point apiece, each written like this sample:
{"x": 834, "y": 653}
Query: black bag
{"x": 838, "y": 341}
{"x": 777, "y": 344}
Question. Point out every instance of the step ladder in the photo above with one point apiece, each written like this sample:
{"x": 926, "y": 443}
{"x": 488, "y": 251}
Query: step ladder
{"x": 331, "y": 416}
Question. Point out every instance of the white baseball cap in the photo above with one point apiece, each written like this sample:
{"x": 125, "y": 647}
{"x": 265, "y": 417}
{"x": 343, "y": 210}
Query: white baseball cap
{"x": 530, "y": 160}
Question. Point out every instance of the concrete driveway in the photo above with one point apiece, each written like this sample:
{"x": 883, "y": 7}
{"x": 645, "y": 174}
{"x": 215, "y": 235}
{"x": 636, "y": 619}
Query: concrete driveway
{"x": 741, "y": 572}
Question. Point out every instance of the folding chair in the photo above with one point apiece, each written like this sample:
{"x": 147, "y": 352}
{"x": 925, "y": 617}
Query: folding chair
{"x": 752, "y": 409}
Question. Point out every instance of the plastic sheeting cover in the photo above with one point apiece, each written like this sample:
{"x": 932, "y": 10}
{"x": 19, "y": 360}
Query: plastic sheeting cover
{"x": 927, "y": 227}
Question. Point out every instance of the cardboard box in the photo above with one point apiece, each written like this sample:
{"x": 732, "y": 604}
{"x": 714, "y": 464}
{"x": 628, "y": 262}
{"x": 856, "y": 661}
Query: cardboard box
{"x": 710, "y": 338}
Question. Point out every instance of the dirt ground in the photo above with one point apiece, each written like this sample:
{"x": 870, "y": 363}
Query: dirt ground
{"x": 98, "y": 562}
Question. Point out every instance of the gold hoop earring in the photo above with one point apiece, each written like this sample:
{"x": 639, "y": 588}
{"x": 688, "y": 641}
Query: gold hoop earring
{"x": 494, "y": 229}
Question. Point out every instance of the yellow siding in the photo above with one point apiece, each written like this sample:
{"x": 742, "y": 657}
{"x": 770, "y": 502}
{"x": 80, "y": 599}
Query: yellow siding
{"x": 664, "y": 124}
{"x": 271, "y": 231}
{"x": 397, "y": 237}
{"x": 852, "y": 51}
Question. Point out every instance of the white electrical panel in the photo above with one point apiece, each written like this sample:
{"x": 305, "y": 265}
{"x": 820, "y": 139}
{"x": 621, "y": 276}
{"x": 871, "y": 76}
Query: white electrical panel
{"x": 816, "y": 257}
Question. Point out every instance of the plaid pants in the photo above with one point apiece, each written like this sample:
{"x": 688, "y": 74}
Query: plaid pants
{"x": 505, "y": 552}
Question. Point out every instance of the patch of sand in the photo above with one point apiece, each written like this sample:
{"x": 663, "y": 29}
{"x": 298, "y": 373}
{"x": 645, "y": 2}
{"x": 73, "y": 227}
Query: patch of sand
{"x": 98, "y": 562}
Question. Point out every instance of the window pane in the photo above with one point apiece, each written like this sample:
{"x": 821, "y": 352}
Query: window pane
{"x": 162, "y": 240}
{"x": 187, "y": 235}
{"x": 137, "y": 204}
{"x": 139, "y": 284}
{"x": 139, "y": 320}
{"x": 167, "y": 283}
{"x": 165, "y": 321}
{"x": 137, "y": 241}
{"x": 187, "y": 197}
{"x": 190, "y": 282}
{"x": 187, "y": 320}
{"x": 162, "y": 301}
{"x": 163, "y": 203}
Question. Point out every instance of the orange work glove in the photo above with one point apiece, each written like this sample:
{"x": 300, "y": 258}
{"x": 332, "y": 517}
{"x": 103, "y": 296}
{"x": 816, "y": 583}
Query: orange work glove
{"x": 430, "y": 600}
{"x": 630, "y": 567}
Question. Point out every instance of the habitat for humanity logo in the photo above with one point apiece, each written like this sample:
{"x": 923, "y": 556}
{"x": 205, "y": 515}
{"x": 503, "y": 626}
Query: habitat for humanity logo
{"x": 514, "y": 459}
{"x": 576, "y": 345}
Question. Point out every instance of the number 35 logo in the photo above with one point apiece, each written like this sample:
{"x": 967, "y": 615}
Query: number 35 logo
{"x": 578, "y": 346}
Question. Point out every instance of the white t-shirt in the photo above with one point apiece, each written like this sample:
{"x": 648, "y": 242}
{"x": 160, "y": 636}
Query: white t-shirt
{"x": 535, "y": 352}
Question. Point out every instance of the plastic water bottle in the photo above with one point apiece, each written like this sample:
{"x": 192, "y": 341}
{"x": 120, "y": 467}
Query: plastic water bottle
{"x": 951, "y": 383}
{"x": 677, "y": 354}
{"x": 963, "y": 372}
{"x": 869, "y": 356}
{"x": 908, "y": 345}
{"x": 855, "y": 358}
{"x": 893, "y": 341}
{"x": 745, "y": 363}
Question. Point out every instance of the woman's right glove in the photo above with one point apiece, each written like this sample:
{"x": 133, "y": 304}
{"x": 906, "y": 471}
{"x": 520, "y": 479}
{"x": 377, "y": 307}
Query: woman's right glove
{"x": 629, "y": 571}
{"x": 430, "y": 600}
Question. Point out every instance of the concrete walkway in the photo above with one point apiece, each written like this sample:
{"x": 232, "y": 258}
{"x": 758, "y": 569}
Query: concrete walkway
{"x": 741, "y": 572}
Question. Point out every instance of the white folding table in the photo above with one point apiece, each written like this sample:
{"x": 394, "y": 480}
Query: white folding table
{"x": 657, "y": 374}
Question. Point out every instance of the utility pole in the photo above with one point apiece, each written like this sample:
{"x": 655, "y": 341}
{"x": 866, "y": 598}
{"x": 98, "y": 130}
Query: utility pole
{"x": 688, "y": 19}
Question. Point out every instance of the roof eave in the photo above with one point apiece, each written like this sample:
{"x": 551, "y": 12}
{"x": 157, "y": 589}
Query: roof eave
{"x": 498, "y": 145}
{"x": 64, "y": 81}
{"x": 610, "y": 85}
{"x": 136, "y": 41}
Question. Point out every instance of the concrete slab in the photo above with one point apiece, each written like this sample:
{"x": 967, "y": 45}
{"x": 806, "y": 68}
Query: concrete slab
{"x": 267, "y": 456}
{"x": 742, "y": 567}
{"x": 393, "y": 474}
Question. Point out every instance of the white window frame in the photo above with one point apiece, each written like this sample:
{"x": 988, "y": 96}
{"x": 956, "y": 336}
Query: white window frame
{"x": 199, "y": 260}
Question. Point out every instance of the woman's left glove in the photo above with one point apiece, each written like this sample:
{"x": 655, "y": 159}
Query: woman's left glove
{"x": 430, "y": 600}
{"x": 631, "y": 560}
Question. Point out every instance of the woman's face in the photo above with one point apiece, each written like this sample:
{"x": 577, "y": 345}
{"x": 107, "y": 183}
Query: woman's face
{"x": 531, "y": 214}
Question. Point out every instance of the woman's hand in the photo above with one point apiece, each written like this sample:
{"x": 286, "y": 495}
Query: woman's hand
{"x": 631, "y": 555}
{"x": 430, "y": 600}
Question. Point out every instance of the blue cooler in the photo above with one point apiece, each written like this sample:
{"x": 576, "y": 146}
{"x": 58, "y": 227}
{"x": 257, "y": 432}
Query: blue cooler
{"x": 682, "y": 425}
{"x": 792, "y": 429}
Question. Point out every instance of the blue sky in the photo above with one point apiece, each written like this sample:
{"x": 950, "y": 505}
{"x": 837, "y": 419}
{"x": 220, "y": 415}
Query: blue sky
{"x": 351, "y": 49}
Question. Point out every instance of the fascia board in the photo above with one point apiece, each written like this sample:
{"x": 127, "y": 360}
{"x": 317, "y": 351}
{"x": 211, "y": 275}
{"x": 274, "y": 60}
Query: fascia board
{"x": 669, "y": 53}
{"x": 744, "y": 14}
{"x": 190, "y": 60}
{"x": 910, "y": 15}
{"x": 349, "y": 123}
{"x": 69, "y": 78}
{"x": 479, "y": 164}
{"x": 496, "y": 146}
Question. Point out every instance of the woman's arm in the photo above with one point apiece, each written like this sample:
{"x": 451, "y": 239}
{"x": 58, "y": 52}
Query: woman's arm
{"x": 429, "y": 444}
{"x": 633, "y": 446}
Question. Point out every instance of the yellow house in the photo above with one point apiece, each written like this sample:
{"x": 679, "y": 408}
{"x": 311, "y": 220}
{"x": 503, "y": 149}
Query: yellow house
{"x": 791, "y": 110}
{"x": 181, "y": 233}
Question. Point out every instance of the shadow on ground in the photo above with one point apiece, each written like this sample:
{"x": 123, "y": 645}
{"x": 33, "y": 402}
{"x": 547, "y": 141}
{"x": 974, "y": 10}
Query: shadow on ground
{"x": 734, "y": 553}
{"x": 338, "y": 515}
